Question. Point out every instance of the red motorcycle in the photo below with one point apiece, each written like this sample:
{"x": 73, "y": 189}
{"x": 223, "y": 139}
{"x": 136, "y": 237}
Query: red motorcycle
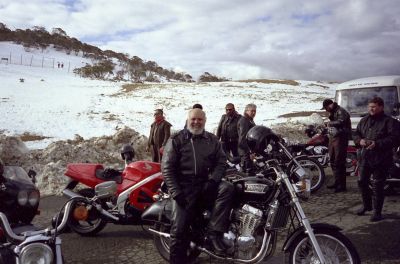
{"x": 113, "y": 196}
{"x": 317, "y": 148}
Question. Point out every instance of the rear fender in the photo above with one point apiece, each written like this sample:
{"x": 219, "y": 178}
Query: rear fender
{"x": 300, "y": 231}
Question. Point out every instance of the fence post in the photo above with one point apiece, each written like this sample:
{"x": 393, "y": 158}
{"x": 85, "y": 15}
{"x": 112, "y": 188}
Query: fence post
{"x": 10, "y": 57}
{"x": 31, "y": 61}
{"x": 42, "y": 61}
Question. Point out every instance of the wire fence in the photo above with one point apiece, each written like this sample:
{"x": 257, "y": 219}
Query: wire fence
{"x": 33, "y": 61}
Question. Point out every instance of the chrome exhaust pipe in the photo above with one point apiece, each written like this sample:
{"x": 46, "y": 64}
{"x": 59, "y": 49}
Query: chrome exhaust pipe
{"x": 159, "y": 233}
{"x": 73, "y": 195}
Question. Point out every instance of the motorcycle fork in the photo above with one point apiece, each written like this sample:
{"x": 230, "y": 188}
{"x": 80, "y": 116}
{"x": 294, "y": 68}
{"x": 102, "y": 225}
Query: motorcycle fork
{"x": 303, "y": 219}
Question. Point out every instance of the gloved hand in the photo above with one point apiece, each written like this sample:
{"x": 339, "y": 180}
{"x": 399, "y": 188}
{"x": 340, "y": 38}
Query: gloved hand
{"x": 181, "y": 200}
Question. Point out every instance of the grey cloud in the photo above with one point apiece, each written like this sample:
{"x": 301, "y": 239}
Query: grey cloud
{"x": 325, "y": 40}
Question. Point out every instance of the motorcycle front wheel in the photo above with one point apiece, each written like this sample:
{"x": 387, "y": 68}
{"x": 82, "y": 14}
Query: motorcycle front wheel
{"x": 313, "y": 169}
{"x": 162, "y": 245}
{"x": 335, "y": 247}
{"x": 94, "y": 222}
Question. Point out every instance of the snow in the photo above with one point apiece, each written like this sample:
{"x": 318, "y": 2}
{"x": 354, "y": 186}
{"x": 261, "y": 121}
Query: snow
{"x": 55, "y": 103}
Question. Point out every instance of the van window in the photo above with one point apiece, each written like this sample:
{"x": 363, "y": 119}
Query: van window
{"x": 355, "y": 101}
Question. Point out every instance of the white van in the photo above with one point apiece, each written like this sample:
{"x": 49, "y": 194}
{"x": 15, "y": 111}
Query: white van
{"x": 354, "y": 95}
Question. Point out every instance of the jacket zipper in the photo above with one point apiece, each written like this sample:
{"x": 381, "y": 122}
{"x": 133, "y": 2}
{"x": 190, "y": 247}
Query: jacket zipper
{"x": 194, "y": 156}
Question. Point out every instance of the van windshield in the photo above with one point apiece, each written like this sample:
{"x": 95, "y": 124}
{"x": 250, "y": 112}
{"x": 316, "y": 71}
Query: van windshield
{"x": 355, "y": 101}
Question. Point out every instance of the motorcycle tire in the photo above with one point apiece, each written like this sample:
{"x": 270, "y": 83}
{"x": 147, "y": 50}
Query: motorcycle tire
{"x": 335, "y": 246}
{"x": 313, "y": 168}
{"x": 162, "y": 245}
{"x": 94, "y": 224}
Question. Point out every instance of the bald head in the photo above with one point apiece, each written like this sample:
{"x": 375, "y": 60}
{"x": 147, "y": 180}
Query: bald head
{"x": 196, "y": 121}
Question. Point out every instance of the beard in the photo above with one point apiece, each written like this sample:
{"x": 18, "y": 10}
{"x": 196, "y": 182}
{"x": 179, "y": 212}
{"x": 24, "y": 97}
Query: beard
{"x": 195, "y": 130}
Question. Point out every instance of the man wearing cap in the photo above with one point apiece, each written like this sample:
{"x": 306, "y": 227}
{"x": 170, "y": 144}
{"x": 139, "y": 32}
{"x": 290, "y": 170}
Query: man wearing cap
{"x": 227, "y": 130}
{"x": 339, "y": 127}
{"x": 160, "y": 132}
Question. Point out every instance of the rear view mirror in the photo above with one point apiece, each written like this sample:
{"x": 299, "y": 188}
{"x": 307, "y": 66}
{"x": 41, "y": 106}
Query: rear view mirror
{"x": 396, "y": 109}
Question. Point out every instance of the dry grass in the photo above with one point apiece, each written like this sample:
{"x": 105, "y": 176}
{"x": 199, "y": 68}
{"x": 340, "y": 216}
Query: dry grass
{"x": 127, "y": 88}
{"x": 26, "y": 136}
{"x": 304, "y": 113}
{"x": 288, "y": 82}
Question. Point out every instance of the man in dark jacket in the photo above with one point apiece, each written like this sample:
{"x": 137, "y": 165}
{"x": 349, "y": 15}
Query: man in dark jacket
{"x": 160, "y": 132}
{"x": 244, "y": 124}
{"x": 193, "y": 166}
{"x": 339, "y": 127}
{"x": 376, "y": 134}
{"x": 227, "y": 130}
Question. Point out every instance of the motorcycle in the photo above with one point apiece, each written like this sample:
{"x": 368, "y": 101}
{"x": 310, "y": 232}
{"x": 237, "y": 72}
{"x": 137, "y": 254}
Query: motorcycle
{"x": 27, "y": 244}
{"x": 264, "y": 205}
{"x": 133, "y": 190}
{"x": 314, "y": 169}
{"x": 20, "y": 241}
{"x": 317, "y": 148}
{"x": 19, "y": 197}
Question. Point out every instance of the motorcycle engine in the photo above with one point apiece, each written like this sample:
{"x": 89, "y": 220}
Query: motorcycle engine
{"x": 249, "y": 219}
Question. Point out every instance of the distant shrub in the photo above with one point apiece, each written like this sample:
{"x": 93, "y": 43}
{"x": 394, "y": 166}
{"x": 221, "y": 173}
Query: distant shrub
{"x": 207, "y": 77}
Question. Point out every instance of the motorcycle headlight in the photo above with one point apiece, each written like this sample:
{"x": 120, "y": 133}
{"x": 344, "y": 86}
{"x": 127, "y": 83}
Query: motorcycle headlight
{"x": 36, "y": 253}
{"x": 22, "y": 198}
{"x": 303, "y": 188}
{"x": 33, "y": 198}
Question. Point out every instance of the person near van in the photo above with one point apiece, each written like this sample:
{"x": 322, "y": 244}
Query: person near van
{"x": 227, "y": 130}
{"x": 193, "y": 166}
{"x": 160, "y": 132}
{"x": 339, "y": 127}
{"x": 376, "y": 135}
{"x": 244, "y": 124}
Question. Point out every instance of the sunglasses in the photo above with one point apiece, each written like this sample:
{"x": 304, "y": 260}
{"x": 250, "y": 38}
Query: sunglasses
{"x": 229, "y": 109}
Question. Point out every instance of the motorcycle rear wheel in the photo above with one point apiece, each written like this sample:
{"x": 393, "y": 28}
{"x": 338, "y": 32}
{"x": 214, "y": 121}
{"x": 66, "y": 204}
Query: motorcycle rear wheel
{"x": 314, "y": 169}
{"x": 162, "y": 245}
{"x": 335, "y": 246}
{"x": 94, "y": 224}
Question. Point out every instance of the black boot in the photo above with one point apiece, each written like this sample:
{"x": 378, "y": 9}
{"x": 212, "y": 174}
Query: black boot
{"x": 216, "y": 244}
{"x": 363, "y": 209}
{"x": 366, "y": 199}
{"x": 377, "y": 200}
{"x": 332, "y": 186}
{"x": 377, "y": 216}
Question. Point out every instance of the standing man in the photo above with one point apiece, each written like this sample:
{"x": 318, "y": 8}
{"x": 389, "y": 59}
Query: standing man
{"x": 244, "y": 124}
{"x": 160, "y": 132}
{"x": 377, "y": 135}
{"x": 193, "y": 166}
{"x": 227, "y": 130}
{"x": 339, "y": 128}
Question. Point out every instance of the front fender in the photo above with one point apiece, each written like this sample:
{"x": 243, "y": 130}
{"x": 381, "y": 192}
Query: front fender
{"x": 300, "y": 230}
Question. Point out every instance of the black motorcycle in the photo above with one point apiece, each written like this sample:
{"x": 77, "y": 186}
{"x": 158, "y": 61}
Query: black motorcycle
{"x": 19, "y": 197}
{"x": 20, "y": 241}
{"x": 264, "y": 205}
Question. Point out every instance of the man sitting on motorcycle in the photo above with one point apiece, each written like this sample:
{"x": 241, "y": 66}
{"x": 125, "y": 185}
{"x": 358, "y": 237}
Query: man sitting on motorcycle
{"x": 193, "y": 166}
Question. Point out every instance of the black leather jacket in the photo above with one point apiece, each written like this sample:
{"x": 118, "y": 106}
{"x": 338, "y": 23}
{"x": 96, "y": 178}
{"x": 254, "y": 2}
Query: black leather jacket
{"x": 227, "y": 128}
{"x": 190, "y": 160}
{"x": 244, "y": 125}
{"x": 382, "y": 129}
{"x": 340, "y": 119}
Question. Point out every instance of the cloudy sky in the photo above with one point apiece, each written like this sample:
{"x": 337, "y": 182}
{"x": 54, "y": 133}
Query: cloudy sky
{"x": 333, "y": 40}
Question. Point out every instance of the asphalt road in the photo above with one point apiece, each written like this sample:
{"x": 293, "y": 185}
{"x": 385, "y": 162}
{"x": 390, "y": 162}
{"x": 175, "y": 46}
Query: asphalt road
{"x": 376, "y": 242}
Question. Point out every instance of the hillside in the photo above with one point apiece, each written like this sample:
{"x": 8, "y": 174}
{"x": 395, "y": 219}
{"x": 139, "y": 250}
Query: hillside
{"x": 99, "y": 64}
